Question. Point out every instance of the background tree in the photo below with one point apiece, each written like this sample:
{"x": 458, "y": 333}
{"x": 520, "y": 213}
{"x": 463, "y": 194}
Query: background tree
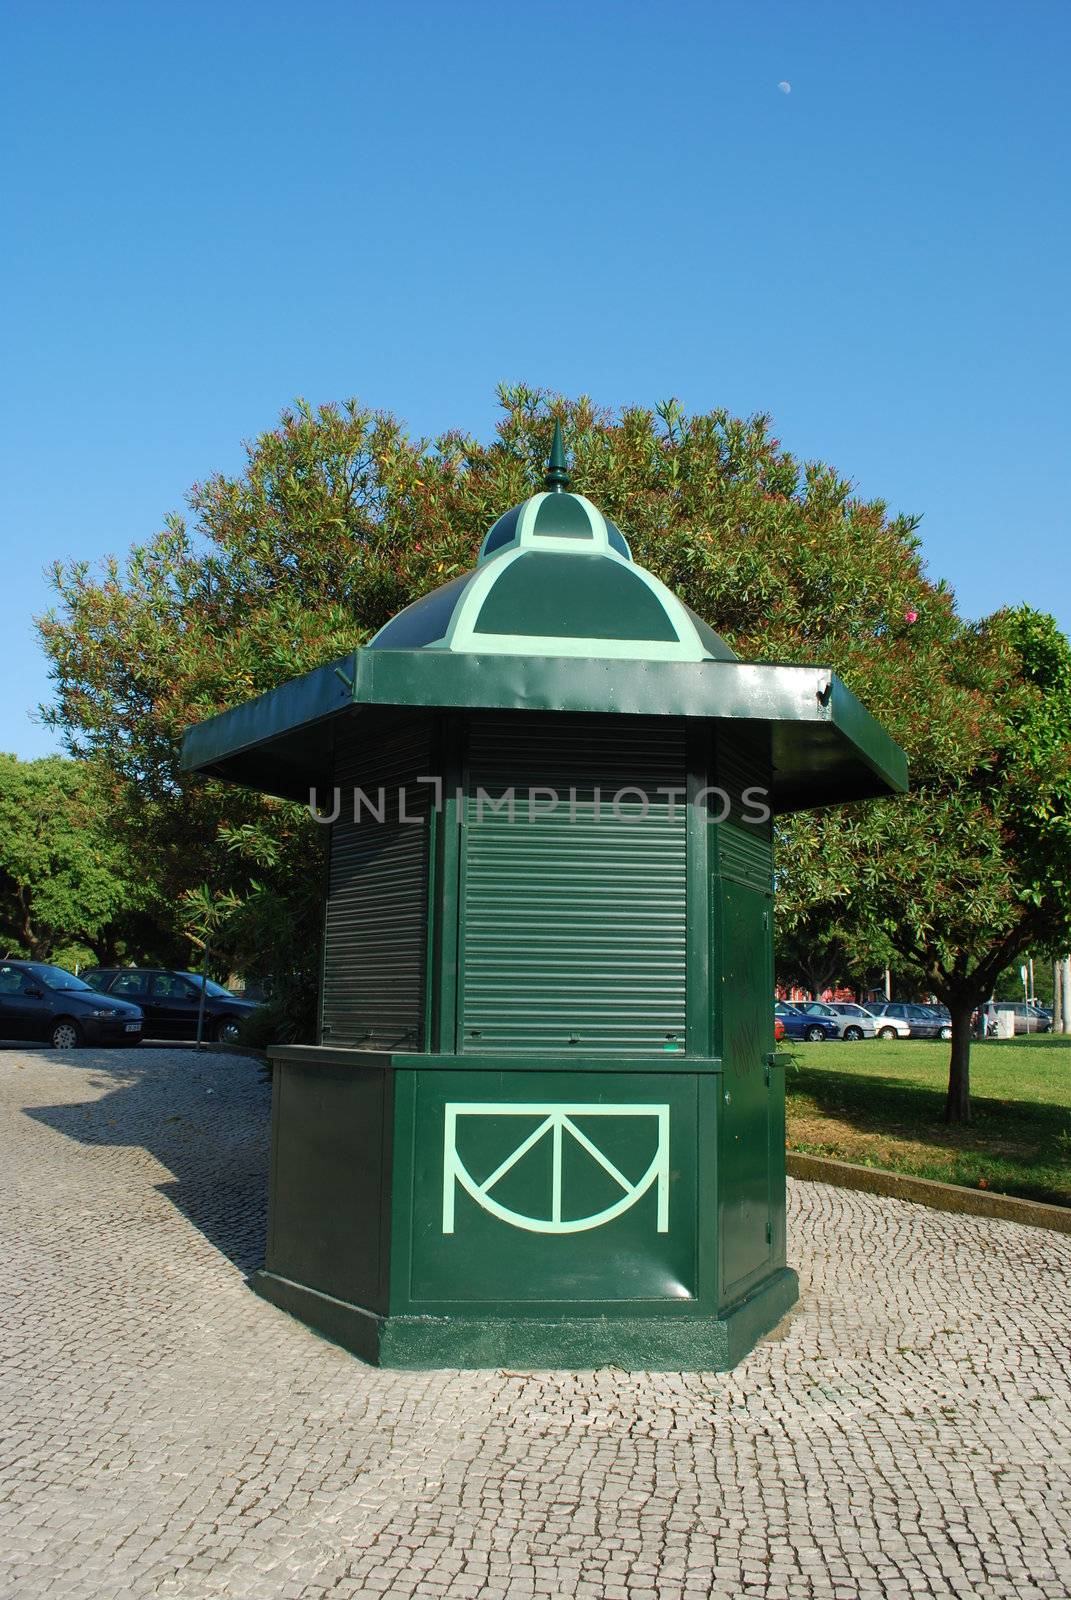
{"x": 66, "y": 882}
{"x": 271, "y": 934}
{"x": 973, "y": 868}
{"x": 814, "y": 956}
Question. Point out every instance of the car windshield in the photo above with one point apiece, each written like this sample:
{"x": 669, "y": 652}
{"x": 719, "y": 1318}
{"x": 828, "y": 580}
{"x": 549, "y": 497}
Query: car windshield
{"x": 54, "y": 977}
{"x": 216, "y": 989}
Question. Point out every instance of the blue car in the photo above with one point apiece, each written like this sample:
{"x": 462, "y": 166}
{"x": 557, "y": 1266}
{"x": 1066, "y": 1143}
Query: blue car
{"x": 800, "y": 1025}
{"x": 39, "y": 1001}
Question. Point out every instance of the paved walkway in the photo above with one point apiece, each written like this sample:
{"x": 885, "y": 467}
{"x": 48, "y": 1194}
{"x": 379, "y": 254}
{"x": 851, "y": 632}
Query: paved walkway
{"x": 164, "y": 1432}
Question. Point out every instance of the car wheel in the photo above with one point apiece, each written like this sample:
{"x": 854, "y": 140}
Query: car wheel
{"x": 65, "y": 1035}
{"x": 228, "y": 1031}
{"x": 946, "y": 1033}
{"x": 853, "y": 1033}
{"x": 888, "y": 1033}
{"x": 815, "y": 1034}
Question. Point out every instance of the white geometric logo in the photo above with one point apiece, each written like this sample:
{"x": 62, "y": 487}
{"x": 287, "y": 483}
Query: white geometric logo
{"x": 556, "y": 1123}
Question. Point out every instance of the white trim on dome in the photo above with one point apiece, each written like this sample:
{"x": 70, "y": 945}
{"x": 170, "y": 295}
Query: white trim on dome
{"x": 461, "y": 636}
{"x": 525, "y": 537}
{"x": 473, "y": 597}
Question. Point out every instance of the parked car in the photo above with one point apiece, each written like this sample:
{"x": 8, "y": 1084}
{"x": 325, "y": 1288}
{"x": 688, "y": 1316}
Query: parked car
{"x": 170, "y": 1001}
{"x": 944, "y": 1017}
{"x": 852, "y": 1021}
{"x": 922, "y": 1022}
{"x": 38, "y": 1001}
{"x": 888, "y": 1027}
{"x": 801, "y": 1025}
{"x": 1028, "y": 1018}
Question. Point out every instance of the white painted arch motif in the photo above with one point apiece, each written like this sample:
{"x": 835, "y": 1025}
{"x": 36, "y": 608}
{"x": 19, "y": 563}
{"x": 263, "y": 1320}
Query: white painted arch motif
{"x": 556, "y": 1123}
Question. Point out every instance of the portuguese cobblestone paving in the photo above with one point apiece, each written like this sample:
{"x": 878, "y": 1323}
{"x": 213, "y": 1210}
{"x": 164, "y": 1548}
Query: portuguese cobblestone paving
{"x": 163, "y": 1432}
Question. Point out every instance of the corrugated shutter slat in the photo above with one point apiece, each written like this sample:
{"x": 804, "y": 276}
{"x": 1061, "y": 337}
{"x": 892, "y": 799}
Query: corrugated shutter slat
{"x": 376, "y": 932}
{"x": 573, "y": 929}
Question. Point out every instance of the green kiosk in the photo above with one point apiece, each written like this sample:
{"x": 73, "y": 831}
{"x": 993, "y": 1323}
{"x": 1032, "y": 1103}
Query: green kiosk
{"x": 544, "y": 1121}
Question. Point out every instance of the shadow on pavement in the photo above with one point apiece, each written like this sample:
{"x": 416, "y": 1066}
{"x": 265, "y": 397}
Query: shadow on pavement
{"x": 203, "y": 1116}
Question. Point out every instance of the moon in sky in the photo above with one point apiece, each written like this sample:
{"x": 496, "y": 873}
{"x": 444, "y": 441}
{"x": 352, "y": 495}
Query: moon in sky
{"x": 785, "y": 87}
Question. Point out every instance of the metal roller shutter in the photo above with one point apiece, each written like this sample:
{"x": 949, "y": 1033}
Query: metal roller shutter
{"x": 375, "y": 939}
{"x": 573, "y": 924}
{"x": 745, "y": 846}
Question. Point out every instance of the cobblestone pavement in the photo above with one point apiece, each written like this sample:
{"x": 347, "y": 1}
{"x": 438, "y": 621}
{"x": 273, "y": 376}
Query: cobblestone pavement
{"x": 164, "y": 1432}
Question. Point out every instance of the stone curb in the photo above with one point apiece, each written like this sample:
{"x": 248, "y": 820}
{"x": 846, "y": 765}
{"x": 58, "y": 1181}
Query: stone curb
{"x": 214, "y": 1048}
{"x": 928, "y": 1192}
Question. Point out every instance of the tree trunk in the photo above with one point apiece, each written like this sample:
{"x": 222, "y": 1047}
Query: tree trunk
{"x": 1065, "y": 989}
{"x": 958, "y": 1103}
{"x": 104, "y": 946}
{"x": 35, "y": 947}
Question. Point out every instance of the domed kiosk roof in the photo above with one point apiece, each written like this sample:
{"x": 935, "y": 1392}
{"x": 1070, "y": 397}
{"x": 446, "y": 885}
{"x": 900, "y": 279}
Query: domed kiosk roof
{"x": 555, "y": 616}
{"x": 555, "y": 577}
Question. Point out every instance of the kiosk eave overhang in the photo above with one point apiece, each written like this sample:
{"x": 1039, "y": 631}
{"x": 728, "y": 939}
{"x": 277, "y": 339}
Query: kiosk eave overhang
{"x": 826, "y": 745}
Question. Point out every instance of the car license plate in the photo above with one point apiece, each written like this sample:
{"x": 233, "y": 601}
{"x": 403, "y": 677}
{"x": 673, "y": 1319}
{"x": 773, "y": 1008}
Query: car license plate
{"x": 132, "y": 1027}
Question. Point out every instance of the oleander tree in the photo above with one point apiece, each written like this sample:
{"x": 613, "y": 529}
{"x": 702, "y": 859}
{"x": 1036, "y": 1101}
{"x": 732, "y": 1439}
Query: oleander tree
{"x": 338, "y": 519}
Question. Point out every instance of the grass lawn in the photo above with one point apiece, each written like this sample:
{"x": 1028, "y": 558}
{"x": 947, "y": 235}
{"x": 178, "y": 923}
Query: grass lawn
{"x": 880, "y": 1103}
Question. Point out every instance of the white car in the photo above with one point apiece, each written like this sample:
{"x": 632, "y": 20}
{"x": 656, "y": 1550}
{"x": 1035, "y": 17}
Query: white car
{"x": 855, "y": 1016}
{"x": 853, "y": 1022}
{"x": 890, "y": 1027}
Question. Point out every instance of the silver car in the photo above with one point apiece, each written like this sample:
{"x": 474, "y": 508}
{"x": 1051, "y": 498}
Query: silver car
{"x": 853, "y": 1022}
{"x": 1028, "y": 1018}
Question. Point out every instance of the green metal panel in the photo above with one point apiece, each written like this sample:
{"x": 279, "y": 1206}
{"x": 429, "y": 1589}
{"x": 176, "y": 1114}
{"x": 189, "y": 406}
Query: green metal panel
{"x": 375, "y": 939}
{"x": 331, "y": 1149}
{"x": 573, "y": 919}
{"x": 778, "y": 1219}
{"x": 368, "y": 1143}
{"x": 743, "y": 940}
{"x": 555, "y": 596}
{"x": 565, "y": 516}
{"x": 446, "y": 873}
{"x": 495, "y": 1062}
{"x": 698, "y": 987}
{"x": 567, "y": 1191}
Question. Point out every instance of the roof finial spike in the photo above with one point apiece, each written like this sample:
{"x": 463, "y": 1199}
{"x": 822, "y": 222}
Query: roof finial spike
{"x": 557, "y": 476}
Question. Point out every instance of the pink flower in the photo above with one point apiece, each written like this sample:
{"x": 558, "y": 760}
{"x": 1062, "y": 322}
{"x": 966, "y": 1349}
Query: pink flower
{"x": 911, "y": 616}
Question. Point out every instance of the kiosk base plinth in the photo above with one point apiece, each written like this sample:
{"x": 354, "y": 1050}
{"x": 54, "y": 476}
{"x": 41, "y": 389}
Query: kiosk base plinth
{"x": 676, "y": 1343}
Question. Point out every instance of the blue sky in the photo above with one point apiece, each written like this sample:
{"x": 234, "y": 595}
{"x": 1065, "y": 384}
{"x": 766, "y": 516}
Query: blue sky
{"x": 209, "y": 209}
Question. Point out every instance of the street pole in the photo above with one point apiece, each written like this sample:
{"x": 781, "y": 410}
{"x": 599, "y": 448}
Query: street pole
{"x": 1065, "y": 988}
{"x": 201, "y": 999}
{"x": 1057, "y": 998}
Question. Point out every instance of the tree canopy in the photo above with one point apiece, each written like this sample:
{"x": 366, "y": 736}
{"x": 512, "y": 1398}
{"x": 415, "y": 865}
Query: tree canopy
{"x": 338, "y": 519}
{"x": 65, "y": 878}
{"x": 973, "y": 867}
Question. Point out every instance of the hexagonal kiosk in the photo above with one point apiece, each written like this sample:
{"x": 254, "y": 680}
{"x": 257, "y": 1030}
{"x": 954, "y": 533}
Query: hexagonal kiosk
{"x": 544, "y": 1121}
